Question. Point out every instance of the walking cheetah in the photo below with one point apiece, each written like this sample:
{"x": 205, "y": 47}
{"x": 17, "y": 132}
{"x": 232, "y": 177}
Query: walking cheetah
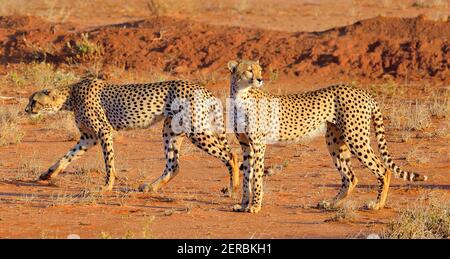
{"x": 344, "y": 111}
{"x": 100, "y": 108}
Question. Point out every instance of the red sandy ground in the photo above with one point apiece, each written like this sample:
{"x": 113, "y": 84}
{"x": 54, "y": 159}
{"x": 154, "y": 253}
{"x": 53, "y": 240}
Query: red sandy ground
{"x": 333, "y": 47}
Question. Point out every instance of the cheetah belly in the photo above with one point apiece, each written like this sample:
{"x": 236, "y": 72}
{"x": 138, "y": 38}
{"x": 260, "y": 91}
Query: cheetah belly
{"x": 303, "y": 136}
{"x": 300, "y": 125}
{"x": 132, "y": 118}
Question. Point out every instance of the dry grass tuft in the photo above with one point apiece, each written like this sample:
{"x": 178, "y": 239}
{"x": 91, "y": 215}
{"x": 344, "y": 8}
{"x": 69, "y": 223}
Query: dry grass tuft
{"x": 29, "y": 169}
{"x": 428, "y": 217}
{"x": 10, "y": 130}
{"x": 430, "y": 3}
{"x": 439, "y": 108}
{"x": 157, "y": 7}
{"x": 345, "y": 214}
{"x": 411, "y": 117}
{"x": 388, "y": 88}
{"x": 39, "y": 76}
{"x": 413, "y": 156}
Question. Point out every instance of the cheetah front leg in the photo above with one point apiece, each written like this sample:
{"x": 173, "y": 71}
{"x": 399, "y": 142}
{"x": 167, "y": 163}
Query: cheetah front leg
{"x": 257, "y": 180}
{"x": 248, "y": 178}
{"x": 86, "y": 141}
{"x": 172, "y": 145}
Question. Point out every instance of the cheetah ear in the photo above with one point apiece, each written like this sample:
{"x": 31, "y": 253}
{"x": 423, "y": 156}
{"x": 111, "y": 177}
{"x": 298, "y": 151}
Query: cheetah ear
{"x": 232, "y": 65}
{"x": 257, "y": 62}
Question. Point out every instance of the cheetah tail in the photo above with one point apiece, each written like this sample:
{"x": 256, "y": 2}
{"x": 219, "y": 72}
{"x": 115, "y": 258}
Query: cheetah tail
{"x": 382, "y": 147}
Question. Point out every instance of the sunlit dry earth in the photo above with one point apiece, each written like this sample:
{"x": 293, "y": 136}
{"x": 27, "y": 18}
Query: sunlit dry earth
{"x": 192, "y": 205}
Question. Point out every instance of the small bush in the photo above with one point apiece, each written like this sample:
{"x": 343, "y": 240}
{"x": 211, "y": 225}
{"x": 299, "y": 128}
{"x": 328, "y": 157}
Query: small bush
{"x": 84, "y": 49}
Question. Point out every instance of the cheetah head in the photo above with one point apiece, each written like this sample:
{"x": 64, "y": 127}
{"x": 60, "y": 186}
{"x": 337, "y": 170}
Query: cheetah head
{"x": 245, "y": 74}
{"x": 45, "y": 101}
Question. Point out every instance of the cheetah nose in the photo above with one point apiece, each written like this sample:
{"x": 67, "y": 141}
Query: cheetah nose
{"x": 27, "y": 109}
{"x": 260, "y": 81}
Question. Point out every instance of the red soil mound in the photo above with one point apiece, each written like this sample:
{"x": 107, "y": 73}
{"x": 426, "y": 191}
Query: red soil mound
{"x": 415, "y": 48}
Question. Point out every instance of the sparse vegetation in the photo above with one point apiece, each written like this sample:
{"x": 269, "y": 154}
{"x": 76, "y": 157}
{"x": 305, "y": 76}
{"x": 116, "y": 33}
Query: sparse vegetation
{"x": 406, "y": 136}
{"x": 40, "y": 53}
{"x": 274, "y": 74}
{"x": 147, "y": 222}
{"x": 74, "y": 202}
{"x": 414, "y": 156}
{"x": 419, "y": 117}
{"x": 242, "y": 6}
{"x": 210, "y": 78}
{"x": 157, "y": 7}
{"x": 39, "y": 76}
{"x": 388, "y": 88}
{"x": 62, "y": 198}
{"x": 30, "y": 169}
{"x": 346, "y": 213}
{"x": 410, "y": 116}
{"x": 105, "y": 235}
{"x": 428, "y": 217}
{"x": 429, "y": 3}
{"x": 10, "y": 130}
{"x": 84, "y": 49}
{"x": 440, "y": 107}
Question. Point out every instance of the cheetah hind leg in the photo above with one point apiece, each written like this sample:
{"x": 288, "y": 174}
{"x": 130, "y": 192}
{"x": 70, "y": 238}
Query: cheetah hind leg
{"x": 245, "y": 205}
{"x": 172, "y": 146}
{"x": 372, "y": 162}
{"x": 341, "y": 155}
{"x": 234, "y": 180}
{"x": 217, "y": 146}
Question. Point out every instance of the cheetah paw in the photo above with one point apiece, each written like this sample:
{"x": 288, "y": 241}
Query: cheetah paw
{"x": 240, "y": 208}
{"x": 146, "y": 188}
{"x": 326, "y": 205}
{"x": 229, "y": 192}
{"x": 373, "y": 206}
{"x": 44, "y": 177}
{"x": 106, "y": 188}
{"x": 254, "y": 209}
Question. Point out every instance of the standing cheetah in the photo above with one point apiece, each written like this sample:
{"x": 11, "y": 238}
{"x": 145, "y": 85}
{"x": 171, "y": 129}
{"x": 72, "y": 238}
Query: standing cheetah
{"x": 344, "y": 111}
{"x": 100, "y": 108}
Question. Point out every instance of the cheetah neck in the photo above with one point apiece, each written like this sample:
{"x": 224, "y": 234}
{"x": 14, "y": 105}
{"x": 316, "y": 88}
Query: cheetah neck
{"x": 66, "y": 94}
{"x": 233, "y": 86}
{"x": 236, "y": 90}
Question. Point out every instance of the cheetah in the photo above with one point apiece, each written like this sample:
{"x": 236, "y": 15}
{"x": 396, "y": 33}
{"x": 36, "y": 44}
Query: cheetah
{"x": 342, "y": 111}
{"x": 100, "y": 108}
